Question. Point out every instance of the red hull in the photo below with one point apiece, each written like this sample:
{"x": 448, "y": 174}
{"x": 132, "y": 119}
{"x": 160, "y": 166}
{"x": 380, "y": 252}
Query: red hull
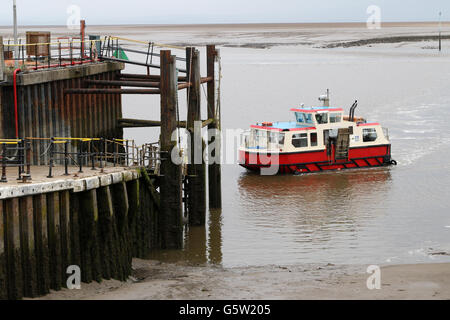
{"x": 304, "y": 162}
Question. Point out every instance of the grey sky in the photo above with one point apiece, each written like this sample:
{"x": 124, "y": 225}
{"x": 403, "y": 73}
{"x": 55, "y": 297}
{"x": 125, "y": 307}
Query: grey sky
{"x": 44, "y": 12}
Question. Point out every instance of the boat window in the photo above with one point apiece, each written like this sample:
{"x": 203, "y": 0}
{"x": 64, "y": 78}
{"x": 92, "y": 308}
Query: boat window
{"x": 308, "y": 118}
{"x": 300, "y": 117}
{"x": 322, "y": 118}
{"x": 300, "y": 140}
{"x": 313, "y": 138}
{"x": 261, "y": 139}
{"x": 335, "y": 117}
{"x": 369, "y": 134}
{"x": 281, "y": 139}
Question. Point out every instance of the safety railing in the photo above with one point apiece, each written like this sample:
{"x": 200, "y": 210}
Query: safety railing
{"x": 145, "y": 52}
{"x": 67, "y": 51}
{"x": 81, "y": 153}
{"x": 55, "y": 54}
{"x": 15, "y": 153}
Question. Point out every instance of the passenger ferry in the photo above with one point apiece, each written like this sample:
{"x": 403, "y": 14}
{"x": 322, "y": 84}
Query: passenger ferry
{"x": 320, "y": 139}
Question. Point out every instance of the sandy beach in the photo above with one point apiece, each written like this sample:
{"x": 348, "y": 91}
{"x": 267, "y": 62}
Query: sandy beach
{"x": 153, "y": 280}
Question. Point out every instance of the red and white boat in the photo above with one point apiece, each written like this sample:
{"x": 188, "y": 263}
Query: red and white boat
{"x": 320, "y": 139}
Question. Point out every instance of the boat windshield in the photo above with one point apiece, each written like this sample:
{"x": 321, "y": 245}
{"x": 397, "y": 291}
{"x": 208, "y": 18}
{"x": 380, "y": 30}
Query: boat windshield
{"x": 304, "y": 118}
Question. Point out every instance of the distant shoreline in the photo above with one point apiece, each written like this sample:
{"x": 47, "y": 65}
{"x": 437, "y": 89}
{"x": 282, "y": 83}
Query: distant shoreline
{"x": 232, "y": 25}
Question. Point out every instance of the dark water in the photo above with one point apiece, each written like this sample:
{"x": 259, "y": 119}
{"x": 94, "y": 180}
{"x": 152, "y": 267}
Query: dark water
{"x": 389, "y": 215}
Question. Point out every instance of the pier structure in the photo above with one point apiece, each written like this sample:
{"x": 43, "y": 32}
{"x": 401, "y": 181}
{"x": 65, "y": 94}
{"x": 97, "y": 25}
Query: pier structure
{"x": 84, "y": 195}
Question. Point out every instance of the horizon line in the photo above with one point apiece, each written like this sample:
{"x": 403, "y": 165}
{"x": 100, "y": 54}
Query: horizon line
{"x": 225, "y": 23}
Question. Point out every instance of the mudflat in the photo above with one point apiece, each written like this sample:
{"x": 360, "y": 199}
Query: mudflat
{"x": 153, "y": 280}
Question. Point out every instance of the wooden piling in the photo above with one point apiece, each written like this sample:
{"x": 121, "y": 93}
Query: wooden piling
{"x": 196, "y": 193}
{"x": 54, "y": 240}
{"x": 28, "y": 257}
{"x": 171, "y": 221}
{"x": 133, "y": 213}
{"x": 64, "y": 206}
{"x": 75, "y": 255}
{"x": 13, "y": 254}
{"x": 214, "y": 169}
{"x": 108, "y": 240}
{"x": 3, "y": 272}
{"x": 41, "y": 243}
{"x": 121, "y": 207}
{"x": 90, "y": 258}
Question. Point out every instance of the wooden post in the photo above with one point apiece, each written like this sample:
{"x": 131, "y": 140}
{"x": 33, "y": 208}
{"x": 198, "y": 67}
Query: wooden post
{"x": 3, "y": 273}
{"x": 41, "y": 243}
{"x": 214, "y": 175}
{"x": 133, "y": 213}
{"x": 90, "y": 256}
{"x": 13, "y": 256}
{"x": 196, "y": 168}
{"x": 64, "y": 206}
{"x": 171, "y": 222}
{"x": 121, "y": 208}
{"x": 27, "y": 246}
{"x": 108, "y": 240}
{"x": 54, "y": 240}
{"x": 75, "y": 255}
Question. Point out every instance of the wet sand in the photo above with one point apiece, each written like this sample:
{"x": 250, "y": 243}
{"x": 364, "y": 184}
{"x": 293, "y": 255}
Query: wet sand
{"x": 153, "y": 280}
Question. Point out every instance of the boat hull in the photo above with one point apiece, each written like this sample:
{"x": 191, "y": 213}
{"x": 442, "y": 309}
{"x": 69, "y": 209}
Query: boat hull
{"x": 316, "y": 161}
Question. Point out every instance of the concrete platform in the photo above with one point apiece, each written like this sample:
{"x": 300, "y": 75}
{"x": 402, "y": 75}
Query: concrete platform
{"x": 76, "y": 182}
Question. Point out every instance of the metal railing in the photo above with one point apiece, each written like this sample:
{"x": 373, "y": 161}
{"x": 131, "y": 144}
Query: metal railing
{"x": 15, "y": 153}
{"x": 67, "y": 51}
{"x": 52, "y": 54}
{"x": 92, "y": 153}
{"x": 112, "y": 47}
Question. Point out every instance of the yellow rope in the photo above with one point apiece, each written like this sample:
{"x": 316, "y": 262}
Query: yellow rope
{"x": 33, "y": 138}
{"x": 146, "y": 43}
{"x": 81, "y": 139}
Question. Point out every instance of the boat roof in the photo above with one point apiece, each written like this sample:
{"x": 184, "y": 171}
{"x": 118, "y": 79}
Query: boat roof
{"x": 284, "y": 126}
{"x": 315, "y": 109}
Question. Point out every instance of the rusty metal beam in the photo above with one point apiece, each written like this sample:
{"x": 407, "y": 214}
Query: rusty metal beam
{"x": 206, "y": 79}
{"x": 139, "y": 123}
{"x": 137, "y": 63}
{"x": 147, "y": 77}
{"x": 186, "y": 85}
{"x": 123, "y": 83}
{"x": 112, "y": 91}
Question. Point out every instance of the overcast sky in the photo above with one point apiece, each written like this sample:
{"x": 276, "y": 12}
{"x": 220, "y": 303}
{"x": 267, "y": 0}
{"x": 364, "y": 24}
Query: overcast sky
{"x": 54, "y": 12}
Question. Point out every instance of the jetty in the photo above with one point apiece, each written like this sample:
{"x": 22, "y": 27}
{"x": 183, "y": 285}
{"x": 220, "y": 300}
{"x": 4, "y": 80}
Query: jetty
{"x": 73, "y": 190}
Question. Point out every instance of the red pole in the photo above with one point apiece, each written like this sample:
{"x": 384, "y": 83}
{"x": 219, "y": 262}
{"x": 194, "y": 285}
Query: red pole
{"x": 15, "y": 101}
